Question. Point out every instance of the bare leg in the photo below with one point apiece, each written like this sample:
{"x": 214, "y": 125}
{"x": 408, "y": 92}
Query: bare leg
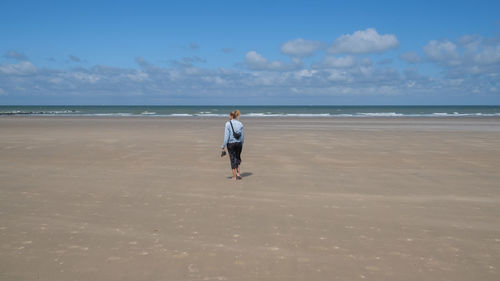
{"x": 234, "y": 174}
{"x": 238, "y": 172}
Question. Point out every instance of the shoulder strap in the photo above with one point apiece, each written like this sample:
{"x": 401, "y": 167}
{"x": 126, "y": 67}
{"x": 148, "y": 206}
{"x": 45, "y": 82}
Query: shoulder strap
{"x": 231, "y": 126}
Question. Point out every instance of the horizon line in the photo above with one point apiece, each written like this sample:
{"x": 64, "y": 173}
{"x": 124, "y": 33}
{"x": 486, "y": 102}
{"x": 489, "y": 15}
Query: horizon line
{"x": 251, "y": 105}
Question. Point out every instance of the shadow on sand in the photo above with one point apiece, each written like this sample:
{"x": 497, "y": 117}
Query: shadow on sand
{"x": 243, "y": 175}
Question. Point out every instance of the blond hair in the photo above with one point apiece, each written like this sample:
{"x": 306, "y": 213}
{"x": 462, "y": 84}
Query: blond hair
{"x": 235, "y": 113}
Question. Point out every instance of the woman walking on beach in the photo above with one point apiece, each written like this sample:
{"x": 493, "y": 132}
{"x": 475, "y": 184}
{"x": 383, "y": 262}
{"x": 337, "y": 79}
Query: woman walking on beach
{"x": 234, "y": 138}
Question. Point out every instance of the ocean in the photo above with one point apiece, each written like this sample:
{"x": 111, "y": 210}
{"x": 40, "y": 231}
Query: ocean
{"x": 255, "y": 111}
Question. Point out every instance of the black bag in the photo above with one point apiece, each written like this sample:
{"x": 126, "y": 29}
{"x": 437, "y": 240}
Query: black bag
{"x": 235, "y": 135}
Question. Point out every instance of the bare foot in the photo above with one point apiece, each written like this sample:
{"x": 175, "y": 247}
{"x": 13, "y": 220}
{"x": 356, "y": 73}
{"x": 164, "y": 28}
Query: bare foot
{"x": 239, "y": 176}
{"x": 233, "y": 178}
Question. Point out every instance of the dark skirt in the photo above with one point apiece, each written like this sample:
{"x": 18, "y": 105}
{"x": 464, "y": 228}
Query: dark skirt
{"x": 234, "y": 150}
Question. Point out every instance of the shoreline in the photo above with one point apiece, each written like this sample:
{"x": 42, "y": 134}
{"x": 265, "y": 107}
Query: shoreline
{"x": 257, "y": 111}
{"x": 292, "y": 118}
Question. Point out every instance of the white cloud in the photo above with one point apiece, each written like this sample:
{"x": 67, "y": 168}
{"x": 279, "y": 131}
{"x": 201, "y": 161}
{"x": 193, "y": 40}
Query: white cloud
{"x": 470, "y": 55}
{"x": 411, "y": 57}
{"x": 187, "y": 61}
{"x": 441, "y": 51}
{"x": 86, "y": 77}
{"x": 55, "y": 80}
{"x": 469, "y": 41}
{"x": 192, "y": 70}
{"x": 339, "y": 76}
{"x": 454, "y": 82}
{"x": 337, "y": 62}
{"x": 138, "y": 76}
{"x": 217, "y": 80}
{"x": 300, "y": 47}
{"x": 489, "y": 55}
{"x": 363, "y": 42}
{"x": 21, "y": 68}
{"x": 305, "y": 73}
{"x": 263, "y": 79}
{"x": 255, "y": 61}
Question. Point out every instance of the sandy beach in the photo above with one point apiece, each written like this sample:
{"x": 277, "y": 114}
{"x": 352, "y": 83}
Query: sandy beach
{"x": 321, "y": 199}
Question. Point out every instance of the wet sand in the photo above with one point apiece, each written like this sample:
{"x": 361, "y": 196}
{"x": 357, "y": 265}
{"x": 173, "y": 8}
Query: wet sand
{"x": 321, "y": 199}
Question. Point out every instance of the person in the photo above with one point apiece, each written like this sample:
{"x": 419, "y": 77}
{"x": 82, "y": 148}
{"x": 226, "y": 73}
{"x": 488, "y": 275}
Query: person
{"x": 233, "y": 143}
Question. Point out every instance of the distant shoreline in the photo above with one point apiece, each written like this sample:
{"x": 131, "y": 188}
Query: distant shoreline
{"x": 277, "y": 118}
{"x": 255, "y": 111}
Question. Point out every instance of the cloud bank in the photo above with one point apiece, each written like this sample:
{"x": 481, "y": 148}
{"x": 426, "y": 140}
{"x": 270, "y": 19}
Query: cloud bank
{"x": 468, "y": 67}
{"x": 256, "y": 61}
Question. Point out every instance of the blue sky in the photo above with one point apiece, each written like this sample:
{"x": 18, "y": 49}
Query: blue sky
{"x": 249, "y": 52}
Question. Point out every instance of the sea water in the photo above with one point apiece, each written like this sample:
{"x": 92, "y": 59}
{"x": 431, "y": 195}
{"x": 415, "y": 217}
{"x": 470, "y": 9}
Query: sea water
{"x": 256, "y": 111}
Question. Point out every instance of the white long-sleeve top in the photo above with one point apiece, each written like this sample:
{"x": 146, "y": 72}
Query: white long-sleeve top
{"x": 228, "y": 132}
